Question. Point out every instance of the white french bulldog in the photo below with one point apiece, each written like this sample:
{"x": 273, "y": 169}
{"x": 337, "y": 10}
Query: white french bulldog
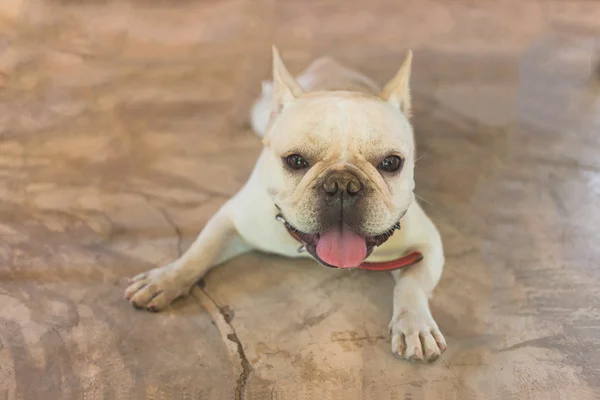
{"x": 335, "y": 175}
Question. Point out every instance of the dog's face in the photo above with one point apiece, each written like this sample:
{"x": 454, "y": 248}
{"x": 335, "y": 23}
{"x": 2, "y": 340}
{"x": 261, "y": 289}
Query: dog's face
{"x": 339, "y": 165}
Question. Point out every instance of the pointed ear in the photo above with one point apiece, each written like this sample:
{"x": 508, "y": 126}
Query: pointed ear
{"x": 397, "y": 91}
{"x": 285, "y": 88}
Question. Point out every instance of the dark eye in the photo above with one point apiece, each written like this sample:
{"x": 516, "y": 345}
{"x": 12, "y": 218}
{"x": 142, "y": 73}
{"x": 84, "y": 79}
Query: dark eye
{"x": 391, "y": 164}
{"x": 296, "y": 161}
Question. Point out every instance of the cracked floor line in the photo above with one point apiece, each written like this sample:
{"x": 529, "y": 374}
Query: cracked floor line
{"x": 175, "y": 228}
{"x": 241, "y": 365}
{"x": 167, "y": 219}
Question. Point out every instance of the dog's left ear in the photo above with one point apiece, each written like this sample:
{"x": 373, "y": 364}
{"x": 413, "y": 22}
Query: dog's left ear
{"x": 397, "y": 91}
{"x": 285, "y": 88}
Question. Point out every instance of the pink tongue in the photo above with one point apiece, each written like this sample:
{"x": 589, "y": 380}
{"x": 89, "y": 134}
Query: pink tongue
{"x": 340, "y": 246}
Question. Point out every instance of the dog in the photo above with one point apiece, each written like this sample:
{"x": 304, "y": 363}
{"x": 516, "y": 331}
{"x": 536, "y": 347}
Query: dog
{"x": 334, "y": 181}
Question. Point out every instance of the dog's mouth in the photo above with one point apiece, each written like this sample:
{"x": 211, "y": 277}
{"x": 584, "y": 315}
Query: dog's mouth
{"x": 340, "y": 246}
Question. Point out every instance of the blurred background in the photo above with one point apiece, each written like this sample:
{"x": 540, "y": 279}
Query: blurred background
{"x": 124, "y": 126}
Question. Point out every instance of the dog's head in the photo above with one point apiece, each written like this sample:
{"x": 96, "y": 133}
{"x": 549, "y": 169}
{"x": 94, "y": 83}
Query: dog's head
{"x": 339, "y": 165}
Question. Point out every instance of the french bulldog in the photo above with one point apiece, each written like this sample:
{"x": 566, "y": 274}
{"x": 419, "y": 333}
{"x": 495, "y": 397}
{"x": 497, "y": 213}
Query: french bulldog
{"x": 336, "y": 174}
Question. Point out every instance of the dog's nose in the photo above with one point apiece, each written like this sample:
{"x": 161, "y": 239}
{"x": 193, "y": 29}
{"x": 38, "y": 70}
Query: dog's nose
{"x": 342, "y": 181}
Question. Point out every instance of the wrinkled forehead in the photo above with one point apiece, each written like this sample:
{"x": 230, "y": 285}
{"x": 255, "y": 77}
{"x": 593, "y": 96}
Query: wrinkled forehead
{"x": 339, "y": 125}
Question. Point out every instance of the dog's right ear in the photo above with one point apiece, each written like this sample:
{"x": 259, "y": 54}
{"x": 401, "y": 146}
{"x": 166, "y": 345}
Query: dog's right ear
{"x": 285, "y": 88}
{"x": 397, "y": 91}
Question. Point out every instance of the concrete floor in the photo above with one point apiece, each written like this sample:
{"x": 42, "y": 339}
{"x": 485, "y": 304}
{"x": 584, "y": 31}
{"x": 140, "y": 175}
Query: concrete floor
{"x": 124, "y": 127}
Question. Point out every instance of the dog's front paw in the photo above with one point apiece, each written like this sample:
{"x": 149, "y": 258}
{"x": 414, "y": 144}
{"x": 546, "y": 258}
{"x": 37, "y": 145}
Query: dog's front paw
{"x": 156, "y": 289}
{"x": 416, "y": 336}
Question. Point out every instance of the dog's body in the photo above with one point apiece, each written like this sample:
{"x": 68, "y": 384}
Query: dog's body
{"x": 341, "y": 196}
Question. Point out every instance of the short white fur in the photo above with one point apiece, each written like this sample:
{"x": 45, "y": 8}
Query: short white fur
{"x": 283, "y": 116}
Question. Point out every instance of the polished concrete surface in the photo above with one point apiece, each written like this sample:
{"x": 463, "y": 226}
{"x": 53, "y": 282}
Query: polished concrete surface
{"x": 124, "y": 126}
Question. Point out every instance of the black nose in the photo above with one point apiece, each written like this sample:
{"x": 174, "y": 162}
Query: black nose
{"x": 342, "y": 181}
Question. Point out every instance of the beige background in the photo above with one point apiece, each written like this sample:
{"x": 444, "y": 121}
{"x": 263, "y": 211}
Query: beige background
{"x": 124, "y": 127}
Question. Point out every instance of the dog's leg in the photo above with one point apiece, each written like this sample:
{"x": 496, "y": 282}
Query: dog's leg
{"x": 415, "y": 334}
{"x": 157, "y": 288}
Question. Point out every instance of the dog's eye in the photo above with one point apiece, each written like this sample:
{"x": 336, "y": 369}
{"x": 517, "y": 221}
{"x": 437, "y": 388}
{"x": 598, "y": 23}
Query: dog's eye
{"x": 391, "y": 164}
{"x": 296, "y": 161}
